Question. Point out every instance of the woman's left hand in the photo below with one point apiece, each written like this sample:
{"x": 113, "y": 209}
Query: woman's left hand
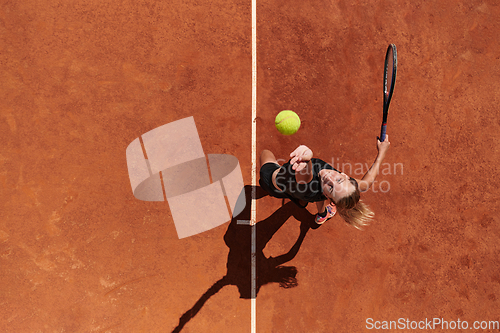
{"x": 300, "y": 157}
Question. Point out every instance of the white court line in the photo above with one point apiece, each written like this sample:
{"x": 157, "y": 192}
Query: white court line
{"x": 254, "y": 167}
{"x": 253, "y": 214}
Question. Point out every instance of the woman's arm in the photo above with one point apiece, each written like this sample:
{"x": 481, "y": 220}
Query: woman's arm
{"x": 301, "y": 163}
{"x": 370, "y": 175}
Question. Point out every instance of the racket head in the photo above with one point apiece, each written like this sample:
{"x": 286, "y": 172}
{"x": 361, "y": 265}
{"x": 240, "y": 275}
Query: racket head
{"x": 390, "y": 69}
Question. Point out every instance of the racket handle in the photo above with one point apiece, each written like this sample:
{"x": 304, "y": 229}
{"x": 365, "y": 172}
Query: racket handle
{"x": 383, "y": 131}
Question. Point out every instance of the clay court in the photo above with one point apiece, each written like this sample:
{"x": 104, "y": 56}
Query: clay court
{"x": 82, "y": 79}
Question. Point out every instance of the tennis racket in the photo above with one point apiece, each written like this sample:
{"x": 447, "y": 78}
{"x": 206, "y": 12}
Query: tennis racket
{"x": 390, "y": 66}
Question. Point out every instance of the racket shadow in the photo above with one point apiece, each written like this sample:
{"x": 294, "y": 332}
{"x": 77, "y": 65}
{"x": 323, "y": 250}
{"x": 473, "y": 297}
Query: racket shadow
{"x": 238, "y": 239}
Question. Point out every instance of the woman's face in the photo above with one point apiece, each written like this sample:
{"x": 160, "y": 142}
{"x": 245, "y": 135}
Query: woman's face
{"x": 335, "y": 185}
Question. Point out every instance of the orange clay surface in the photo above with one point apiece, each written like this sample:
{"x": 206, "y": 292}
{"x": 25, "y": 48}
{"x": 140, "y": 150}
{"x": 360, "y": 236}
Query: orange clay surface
{"x": 82, "y": 79}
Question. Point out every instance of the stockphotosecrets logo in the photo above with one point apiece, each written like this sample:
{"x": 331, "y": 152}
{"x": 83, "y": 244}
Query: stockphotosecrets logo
{"x": 173, "y": 153}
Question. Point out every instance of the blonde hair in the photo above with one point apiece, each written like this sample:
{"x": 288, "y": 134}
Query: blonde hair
{"x": 353, "y": 210}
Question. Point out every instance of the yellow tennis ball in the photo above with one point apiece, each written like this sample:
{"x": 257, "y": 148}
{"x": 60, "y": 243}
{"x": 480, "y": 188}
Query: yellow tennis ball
{"x": 287, "y": 122}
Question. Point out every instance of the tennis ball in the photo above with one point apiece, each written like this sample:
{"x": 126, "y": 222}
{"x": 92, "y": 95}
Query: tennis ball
{"x": 287, "y": 122}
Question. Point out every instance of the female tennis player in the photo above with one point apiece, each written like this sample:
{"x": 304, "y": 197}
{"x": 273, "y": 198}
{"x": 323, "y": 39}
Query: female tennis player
{"x": 305, "y": 179}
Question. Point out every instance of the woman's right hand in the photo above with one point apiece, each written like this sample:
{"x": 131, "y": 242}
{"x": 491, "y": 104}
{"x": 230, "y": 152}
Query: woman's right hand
{"x": 382, "y": 147}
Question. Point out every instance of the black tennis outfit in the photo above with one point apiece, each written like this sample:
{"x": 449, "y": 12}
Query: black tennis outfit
{"x": 285, "y": 179}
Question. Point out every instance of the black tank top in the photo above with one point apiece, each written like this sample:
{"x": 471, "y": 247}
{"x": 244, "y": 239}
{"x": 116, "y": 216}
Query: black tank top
{"x": 310, "y": 192}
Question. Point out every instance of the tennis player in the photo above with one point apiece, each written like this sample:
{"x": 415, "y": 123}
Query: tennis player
{"x": 305, "y": 179}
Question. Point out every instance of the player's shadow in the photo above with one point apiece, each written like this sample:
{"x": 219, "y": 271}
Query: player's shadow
{"x": 238, "y": 238}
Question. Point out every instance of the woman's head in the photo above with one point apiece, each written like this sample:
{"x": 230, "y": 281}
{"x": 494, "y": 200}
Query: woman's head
{"x": 343, "y": 191}
{"x": 350, "y": 200}
{"x": 337, "y": 185}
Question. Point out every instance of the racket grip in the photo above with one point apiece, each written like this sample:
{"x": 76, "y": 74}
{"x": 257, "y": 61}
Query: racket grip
{"x": 383, "y": 131}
